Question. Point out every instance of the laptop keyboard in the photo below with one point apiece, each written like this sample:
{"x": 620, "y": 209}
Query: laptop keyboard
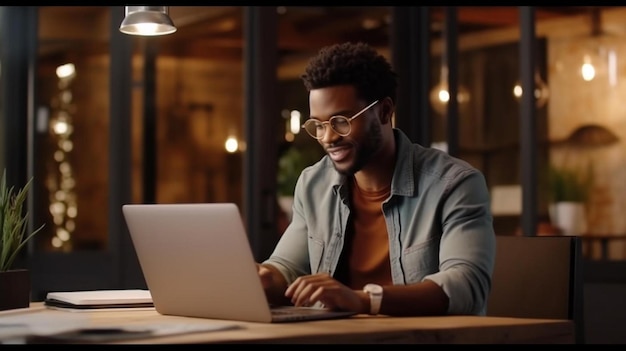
{"x": 291, "y": 313}
{"x": 297, "y": 311}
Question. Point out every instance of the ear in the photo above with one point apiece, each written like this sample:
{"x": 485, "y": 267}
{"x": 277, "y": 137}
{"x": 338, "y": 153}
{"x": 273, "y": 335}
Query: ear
{"x": 386, "y": 110}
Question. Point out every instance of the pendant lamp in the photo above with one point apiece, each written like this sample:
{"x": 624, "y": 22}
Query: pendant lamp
{"x": 147, "y": 21}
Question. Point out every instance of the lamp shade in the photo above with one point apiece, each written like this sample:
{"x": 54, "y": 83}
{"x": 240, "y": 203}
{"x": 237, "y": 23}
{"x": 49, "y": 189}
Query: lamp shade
{"x": 147, "y": 21}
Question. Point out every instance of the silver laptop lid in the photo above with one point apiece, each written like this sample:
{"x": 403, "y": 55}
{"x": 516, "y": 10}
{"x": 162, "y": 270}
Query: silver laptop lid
{"x": 197, "y": 260}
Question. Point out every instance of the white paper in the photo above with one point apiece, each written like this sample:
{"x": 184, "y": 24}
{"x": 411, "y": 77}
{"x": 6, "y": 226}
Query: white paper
{"x": 17, "y": 325}
{"x": 41, "y": 322}
{"x": 102, "y": 297}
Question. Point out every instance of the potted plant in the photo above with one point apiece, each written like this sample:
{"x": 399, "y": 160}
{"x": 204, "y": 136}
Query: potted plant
{"x": 568, "y": 184}
{"x": 290, "y": 164}
{"x": 14, "y": 283}
{"x": 569, "y": 190}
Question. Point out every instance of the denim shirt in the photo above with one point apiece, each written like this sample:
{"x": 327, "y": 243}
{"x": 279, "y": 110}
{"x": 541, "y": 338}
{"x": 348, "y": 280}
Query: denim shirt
{"x": 438, "y": 221}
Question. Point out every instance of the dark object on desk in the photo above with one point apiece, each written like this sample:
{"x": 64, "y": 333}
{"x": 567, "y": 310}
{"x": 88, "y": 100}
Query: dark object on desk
{"x": 14, "y": 289}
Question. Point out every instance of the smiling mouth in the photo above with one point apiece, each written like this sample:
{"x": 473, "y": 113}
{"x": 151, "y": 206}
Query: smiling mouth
{"x": 338, "y": 154}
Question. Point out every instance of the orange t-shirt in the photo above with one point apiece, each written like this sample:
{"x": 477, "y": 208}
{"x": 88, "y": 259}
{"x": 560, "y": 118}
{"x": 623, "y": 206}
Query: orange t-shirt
{"x": 369, "y": 247}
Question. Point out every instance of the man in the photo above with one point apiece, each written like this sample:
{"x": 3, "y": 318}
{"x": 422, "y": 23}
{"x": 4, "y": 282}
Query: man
{"x": 380, "y": 225}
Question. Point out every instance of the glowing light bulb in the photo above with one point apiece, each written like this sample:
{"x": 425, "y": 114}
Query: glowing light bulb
{"x": 439, "y": 97}
{"x": 542, "y": 93}
{"x": 294, "y": 122}
{"x": 443, "y": 95}
{"x": 587, "y": 70}
{"x": 66, "y": 71}
{"x": 231, "y": 144}
{"x": 439, "y": 94}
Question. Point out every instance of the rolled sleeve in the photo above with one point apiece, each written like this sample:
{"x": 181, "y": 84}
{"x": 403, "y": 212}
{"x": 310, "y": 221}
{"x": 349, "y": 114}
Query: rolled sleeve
{"x": 467, "y": 247}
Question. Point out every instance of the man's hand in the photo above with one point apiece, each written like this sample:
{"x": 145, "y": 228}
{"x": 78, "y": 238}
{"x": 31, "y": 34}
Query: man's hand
{"x": 309, "y": 289}
{"x": 266, "y": 276}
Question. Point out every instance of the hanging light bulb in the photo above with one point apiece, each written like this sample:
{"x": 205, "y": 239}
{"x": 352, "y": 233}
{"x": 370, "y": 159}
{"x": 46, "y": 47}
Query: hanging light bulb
{"x": 595, "y": 57}
{"x": 597, "y": 61}
{"x": 587, "y": 70}
{"x": 439, "y": 95}
{"x": 231, "y": 145}
{"x": 542, "y": 93}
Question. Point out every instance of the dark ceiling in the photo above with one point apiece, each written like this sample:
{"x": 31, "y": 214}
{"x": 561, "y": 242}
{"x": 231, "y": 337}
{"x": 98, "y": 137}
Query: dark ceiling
{"x": 216, "y": 31}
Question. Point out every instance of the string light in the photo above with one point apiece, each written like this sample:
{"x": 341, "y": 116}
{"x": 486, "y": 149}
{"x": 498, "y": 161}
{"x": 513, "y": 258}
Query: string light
{"x": 61, "y": 182}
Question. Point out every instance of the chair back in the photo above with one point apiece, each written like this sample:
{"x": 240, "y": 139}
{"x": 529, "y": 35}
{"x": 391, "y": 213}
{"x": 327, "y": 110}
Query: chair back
{"x": 538, "y": 277}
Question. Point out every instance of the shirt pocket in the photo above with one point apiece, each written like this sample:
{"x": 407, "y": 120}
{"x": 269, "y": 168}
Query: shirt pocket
{"x": 420, "y": 260}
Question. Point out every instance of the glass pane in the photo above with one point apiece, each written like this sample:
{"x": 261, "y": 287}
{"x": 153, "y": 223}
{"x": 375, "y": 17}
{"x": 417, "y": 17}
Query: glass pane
{"x": 200, "y": 140}
{"x": 71, "y": 129}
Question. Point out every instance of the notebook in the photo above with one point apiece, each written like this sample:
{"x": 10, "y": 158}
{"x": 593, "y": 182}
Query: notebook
{"x": 99, "y": 299}
{"x": 197, "y": 262}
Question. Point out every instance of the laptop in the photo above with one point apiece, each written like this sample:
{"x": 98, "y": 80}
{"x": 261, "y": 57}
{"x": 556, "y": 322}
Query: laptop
{"x": 197, "y": 262}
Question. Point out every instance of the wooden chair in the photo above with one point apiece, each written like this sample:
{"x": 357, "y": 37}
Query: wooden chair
{"x": 538, "y": 277}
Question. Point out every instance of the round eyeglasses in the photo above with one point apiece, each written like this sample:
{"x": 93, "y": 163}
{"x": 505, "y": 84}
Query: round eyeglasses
{"x": 339, "y": 124}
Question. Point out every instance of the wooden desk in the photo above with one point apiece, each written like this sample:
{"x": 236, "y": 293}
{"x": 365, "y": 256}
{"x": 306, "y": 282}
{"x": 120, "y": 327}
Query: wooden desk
{"x": 358, "y": 329}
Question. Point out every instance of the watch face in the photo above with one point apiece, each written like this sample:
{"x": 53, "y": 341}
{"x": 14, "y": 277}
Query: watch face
{"x": 374, "y": 288}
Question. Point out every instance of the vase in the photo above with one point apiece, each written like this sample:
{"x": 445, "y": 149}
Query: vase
{"x": 14, "y": 289}
{"x": 569, "y": 217}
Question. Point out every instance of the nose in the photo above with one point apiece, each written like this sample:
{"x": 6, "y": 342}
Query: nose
{"x": 329, "y": 135}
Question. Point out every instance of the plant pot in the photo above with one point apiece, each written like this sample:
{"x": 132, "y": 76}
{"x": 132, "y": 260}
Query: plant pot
{"x": 14, "y": 289}
{"x": 569, "y": 217}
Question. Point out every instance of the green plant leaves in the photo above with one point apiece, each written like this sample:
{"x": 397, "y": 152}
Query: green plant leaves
{"x": 569, "y": 184}
{"x": 13, "y": 222}
{"x": 291, "y": 164}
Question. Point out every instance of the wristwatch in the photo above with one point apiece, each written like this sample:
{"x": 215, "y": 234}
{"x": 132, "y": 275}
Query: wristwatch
{"x": 375, "y": 292}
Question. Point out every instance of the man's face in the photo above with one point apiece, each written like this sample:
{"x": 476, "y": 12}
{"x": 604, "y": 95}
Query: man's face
{"x": 352, "y": 152}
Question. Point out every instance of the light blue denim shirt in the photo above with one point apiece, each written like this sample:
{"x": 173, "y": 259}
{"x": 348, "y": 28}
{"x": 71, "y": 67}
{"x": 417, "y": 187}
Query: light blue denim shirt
{"x": 438, "y": 220}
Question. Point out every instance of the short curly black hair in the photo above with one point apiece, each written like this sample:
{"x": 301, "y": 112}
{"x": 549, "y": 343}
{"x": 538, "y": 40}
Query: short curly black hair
{"x": 356, "y": 64}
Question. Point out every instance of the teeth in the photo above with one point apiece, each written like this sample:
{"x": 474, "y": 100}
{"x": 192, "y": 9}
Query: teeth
{"x": 337, "y": 155}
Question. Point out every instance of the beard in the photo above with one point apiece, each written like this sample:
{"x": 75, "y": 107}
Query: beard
{"x": 364, "y": 151}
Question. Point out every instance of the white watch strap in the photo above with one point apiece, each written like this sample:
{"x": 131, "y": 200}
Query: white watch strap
{"x": 375, "y": 304}
{"x": 376, "y": 295}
